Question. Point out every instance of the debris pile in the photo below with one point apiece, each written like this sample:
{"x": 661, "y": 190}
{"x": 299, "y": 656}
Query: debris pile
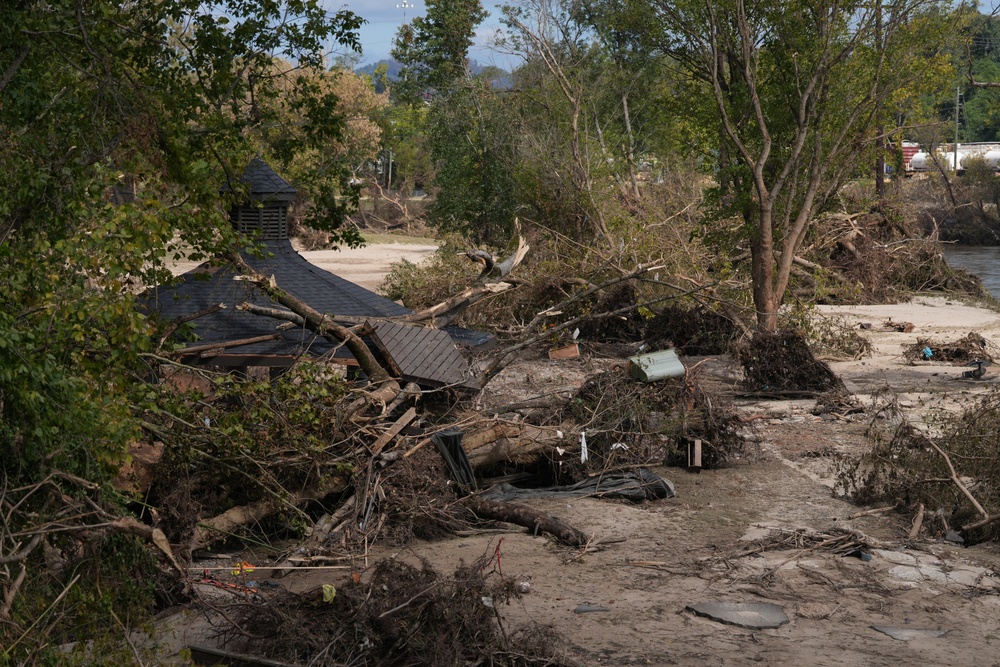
{"x": 875, "y": 257}
{"x": 783, "y": 363}
{"x": 973, "y": 347}
{"x": 951, "y": 480}
{"x": 398, "y": 613}
{"x": 631, "y": 422}
{"x": 698, "y": 331}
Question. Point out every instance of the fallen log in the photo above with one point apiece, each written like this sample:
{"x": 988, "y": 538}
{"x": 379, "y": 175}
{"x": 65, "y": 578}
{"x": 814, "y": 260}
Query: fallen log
{"x": 511, "y": 442}
{"x": 218, "y": 528}
{"x": 532, "y": 519}
{"x": 958, "y": 482}
{"x": 446, "y": 312}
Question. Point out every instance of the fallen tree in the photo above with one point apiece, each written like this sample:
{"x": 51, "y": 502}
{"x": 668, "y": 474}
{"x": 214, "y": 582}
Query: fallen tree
{"x": 386, "y": 387}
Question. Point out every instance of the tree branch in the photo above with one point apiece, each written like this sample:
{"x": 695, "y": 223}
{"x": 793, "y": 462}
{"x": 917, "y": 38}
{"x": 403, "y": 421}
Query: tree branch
{"x": 386, "y": 387}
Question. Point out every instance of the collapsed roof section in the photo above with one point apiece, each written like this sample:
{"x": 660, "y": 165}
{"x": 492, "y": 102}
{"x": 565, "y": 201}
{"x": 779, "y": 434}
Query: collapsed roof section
{"x": 228, "y": 336}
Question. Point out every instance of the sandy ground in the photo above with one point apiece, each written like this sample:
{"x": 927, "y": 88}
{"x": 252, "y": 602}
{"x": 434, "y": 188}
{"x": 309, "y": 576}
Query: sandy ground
{"x": 366, "y": 266}
{"x": 662, "y": 556}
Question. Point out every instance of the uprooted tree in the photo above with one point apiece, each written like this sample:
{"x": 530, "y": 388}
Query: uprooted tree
{"x": 795, "y": 91}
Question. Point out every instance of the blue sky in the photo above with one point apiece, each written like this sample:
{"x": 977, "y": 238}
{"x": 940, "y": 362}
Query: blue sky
{"x": 386, "y": 16}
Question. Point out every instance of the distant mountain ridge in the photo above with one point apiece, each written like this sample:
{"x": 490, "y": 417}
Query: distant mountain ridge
{"x": 394, "y": 68}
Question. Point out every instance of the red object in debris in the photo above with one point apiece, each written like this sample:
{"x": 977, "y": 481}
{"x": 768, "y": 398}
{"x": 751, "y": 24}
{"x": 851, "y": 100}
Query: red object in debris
{"x": 568, "y": 352}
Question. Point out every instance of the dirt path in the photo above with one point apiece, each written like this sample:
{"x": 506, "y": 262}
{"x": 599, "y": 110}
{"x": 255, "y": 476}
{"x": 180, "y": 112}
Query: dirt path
{"x": 663, "y": 556}
{"x": 366, "y": 266}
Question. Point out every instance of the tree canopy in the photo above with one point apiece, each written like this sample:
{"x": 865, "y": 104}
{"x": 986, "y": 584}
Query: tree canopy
{"x": 119, "y": 122}
{"x": 434, "y": 48}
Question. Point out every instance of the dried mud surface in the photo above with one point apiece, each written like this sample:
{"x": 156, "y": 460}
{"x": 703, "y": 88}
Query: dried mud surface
{"x": 659, "y": 557}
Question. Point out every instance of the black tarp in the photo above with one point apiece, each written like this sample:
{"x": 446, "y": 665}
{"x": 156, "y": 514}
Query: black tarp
{"x": 634, "y": 485}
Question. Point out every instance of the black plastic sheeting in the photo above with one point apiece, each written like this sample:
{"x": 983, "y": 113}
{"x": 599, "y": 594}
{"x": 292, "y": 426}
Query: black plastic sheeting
{"x": 449, "y": 445}
{"x": 634, "y": 485}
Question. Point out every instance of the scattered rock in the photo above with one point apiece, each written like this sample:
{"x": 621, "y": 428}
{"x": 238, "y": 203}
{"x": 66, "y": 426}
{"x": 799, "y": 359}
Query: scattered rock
{"x": 906, "y": 634}
{"x": 753, "y": 615}
{"x": 589, "y": 608}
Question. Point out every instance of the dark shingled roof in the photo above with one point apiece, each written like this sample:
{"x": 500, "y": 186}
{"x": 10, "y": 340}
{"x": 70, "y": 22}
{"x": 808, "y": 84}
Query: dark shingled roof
{"x": 206, "y": 286}
{"x": 264, "y": 183}
{"x": 424, "y": 356}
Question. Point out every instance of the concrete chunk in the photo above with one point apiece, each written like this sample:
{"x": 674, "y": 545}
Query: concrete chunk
{"x": 753, "y": 615}
{"x": 906, "y": 634}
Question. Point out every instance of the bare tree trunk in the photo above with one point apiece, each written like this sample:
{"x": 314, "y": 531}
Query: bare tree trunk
{"x": 880, "y": 129}
{"x": 630, "y": 152}
{"x": 581, "y": 174}
{"x": 765, "y": 301}
{"x": 386, "y": 388}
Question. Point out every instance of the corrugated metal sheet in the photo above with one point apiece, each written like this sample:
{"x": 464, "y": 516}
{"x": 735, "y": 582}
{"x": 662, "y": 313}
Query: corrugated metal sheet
{"x": 655, "y": 366}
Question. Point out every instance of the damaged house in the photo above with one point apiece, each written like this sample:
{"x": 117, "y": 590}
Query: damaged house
{"x": 213, "y": 303}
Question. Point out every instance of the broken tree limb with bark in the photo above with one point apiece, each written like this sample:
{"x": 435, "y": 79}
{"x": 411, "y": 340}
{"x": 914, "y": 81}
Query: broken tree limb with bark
{"x": 530, "y": 518}
{"x": 386, "y": 387}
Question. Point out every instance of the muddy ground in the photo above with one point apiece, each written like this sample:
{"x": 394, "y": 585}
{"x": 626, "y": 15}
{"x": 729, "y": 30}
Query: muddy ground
{"x": 739, "y": 534}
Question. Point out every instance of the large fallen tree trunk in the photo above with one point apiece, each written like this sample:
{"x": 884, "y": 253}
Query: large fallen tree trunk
{"x": 513, "y": 442}
{"x": 386, "y": 388}
{"x": 221, "y": 527}
{"x": 449, "y": 310}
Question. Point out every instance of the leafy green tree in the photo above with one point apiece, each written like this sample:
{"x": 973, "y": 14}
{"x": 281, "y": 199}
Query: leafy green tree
{"x": 119, "y": 121}
{"x": 981, "y": 111}
{"x": 404, "y": 131}
{"x": 595, "y": 106}
{"x": 321, "y": 162}
{"x": 434, "y": 49}
{"x": 980, "y": 64}
{"x": 473, "y": 137}
{"x": 469, "y": 128}
{"x": 797, "y": 89}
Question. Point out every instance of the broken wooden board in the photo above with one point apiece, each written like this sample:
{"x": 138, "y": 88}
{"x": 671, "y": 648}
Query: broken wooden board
{"x": 393, "y": 431}
{"x": 568, "y": 352}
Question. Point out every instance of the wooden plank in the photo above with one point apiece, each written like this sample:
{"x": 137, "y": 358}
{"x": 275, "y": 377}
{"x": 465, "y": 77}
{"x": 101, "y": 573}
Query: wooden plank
{"x": 209, "y": 657}
{"x": 394, "y": 430}
{"x": 222, "y": 345}
{"x": 694, "y": 454}
{"x": 568, "y": 352}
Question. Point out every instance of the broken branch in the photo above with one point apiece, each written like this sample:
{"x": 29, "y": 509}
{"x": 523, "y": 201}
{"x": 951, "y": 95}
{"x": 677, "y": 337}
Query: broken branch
{"x": 529, "y": 518}
{"x": 220, "y": 527}
{"x": 386, "y": 387}
{"x": 958, "y": 482}
{"x": 917, "y": 522}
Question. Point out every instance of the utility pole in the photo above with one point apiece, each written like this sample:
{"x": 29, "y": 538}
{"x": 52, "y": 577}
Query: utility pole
{"x": 958, "y": 93}
{"x": 404, "y": 6}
